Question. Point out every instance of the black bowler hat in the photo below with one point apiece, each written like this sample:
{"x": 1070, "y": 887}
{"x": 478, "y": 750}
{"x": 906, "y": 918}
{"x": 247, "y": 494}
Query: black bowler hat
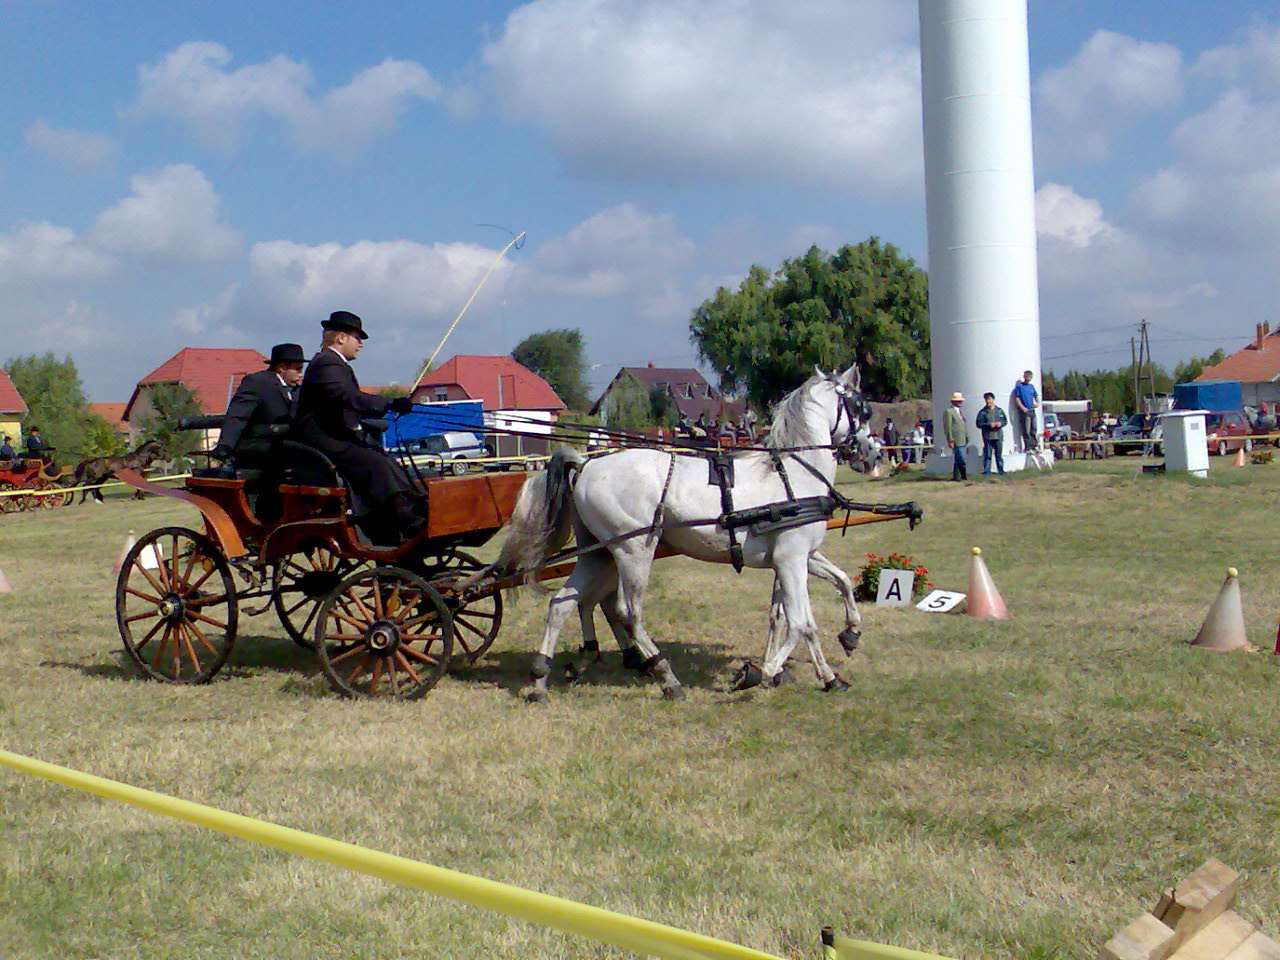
{"x": 345, "y": 321}
{"x": 286, "y": 353}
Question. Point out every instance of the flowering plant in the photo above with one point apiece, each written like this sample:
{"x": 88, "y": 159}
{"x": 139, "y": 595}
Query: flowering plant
{"x": 868, "y": 579}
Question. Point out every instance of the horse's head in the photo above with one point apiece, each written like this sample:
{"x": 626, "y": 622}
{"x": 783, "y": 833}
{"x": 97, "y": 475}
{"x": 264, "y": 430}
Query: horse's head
{"x": 150, "y": 451}
{"x": 848, "y": 409}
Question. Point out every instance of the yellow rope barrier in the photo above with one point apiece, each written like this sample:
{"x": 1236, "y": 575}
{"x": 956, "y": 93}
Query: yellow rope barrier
{"x": 60, "y": 491}
{"x": 618, "y": 929}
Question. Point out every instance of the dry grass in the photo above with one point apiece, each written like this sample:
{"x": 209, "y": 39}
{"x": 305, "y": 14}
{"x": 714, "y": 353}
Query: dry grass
{"x": 985, "y": 790}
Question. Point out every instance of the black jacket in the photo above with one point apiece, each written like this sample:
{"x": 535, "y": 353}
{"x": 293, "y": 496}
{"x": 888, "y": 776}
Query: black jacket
{"x": 330, "y": 404}
{"x": 991, "y": 422}
{"x": 260, "y": 403}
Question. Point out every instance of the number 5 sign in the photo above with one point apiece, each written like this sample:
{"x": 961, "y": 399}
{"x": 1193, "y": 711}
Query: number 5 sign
{"x": 940, "y": 601}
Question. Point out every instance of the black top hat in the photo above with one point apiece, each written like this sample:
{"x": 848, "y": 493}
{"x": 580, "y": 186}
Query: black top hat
{"x": 286, "y": 353}
{"x": 347, "y": 322}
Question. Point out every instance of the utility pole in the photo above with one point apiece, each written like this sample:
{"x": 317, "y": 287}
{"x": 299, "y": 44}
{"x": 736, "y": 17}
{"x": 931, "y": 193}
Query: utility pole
{"x": 1144, "y": 371}
{"x": 1133, "y": 368}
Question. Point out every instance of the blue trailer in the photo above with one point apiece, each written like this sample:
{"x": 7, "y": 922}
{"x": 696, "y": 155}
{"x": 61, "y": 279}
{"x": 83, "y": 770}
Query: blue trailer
{"x": 1215, "y": 396}
{"x": 433, "y": 419}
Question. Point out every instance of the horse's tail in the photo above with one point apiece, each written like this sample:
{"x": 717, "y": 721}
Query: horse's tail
{"x": 540, "y": 523}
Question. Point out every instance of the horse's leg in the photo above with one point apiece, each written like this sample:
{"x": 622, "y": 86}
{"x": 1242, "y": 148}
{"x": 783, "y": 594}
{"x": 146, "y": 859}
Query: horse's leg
{"x": 824, "y": 569}
{"x": 570, "y": 598}
{"x": 749, "y": 674}
{"x": 602, "y": 593}
{"x": 634, "y": 562}
{"x": 791, "y": 569}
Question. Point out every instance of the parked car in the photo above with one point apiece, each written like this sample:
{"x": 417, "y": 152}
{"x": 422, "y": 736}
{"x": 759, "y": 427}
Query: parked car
{"x": 446, "y": 452}
{"x": 1227, "y": 432}
{"x": 1055, "y": 429}
{"x": 1135, "y": 431}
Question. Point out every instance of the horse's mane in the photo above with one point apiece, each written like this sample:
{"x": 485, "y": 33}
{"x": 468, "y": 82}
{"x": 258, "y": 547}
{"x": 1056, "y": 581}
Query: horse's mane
{"x": 790, "y": 427}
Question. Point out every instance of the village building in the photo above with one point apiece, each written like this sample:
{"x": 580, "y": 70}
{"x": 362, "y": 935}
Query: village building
{"x": 12, "y": 410}
{"x": 516, "y": 400}
{"x": 1256, "y": 366}
{"x": 211, "y": 373}
{"x": 692, "y": 397}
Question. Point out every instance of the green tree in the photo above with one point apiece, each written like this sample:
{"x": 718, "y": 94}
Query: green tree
{"x": 557, "y": 356}
{"x": 628, "y": 406}
{"x": 866, "y": 303}
{"x": 663, "y": 411}
{"x": 168, "y": 403}
{"x": 101, "y": 439}
{"x": 1188, "y": 370}
{"x": 55, "y": 397}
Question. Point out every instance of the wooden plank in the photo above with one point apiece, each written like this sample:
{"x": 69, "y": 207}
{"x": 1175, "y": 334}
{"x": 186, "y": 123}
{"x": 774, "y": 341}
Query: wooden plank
{"x": 1216, "y": 939}
{"x": 1144, "y": 939}
{"x": 1198, "y": 899}
{"x": 1256, "y": 946}
{"x": 471, "y": 502}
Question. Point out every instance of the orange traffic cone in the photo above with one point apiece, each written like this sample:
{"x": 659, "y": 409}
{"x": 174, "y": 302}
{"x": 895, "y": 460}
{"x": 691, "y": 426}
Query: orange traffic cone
{"x": 1223, "y": 627}
{"x": 4, "y": 583}
{"x": 129, "y": 541}
{"x": 1278, "y": 638}
{"x": 1240, "y": 460}
{"x": 984, "y": 600}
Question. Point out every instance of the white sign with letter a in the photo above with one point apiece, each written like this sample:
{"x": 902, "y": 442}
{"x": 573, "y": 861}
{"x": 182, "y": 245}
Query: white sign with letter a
{"x": 940, "y": 601}
{"x": 895, "y": 588}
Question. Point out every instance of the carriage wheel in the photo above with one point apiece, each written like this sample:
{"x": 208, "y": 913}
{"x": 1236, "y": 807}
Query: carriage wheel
{"x": 475, "y": 624}
{"x": 384, "y": 633}
{"x": 299, "y": 582}
{"x": 10, "y": 504}
{"x": 51, "y": 500}
{"x": 176, "y": 606}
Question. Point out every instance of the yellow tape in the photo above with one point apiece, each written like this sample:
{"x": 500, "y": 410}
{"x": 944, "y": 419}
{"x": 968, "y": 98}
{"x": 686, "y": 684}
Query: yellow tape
{"x": 59, "y": 491}
{"x": 846, "y": 948}
{"x": 618, "y": 929}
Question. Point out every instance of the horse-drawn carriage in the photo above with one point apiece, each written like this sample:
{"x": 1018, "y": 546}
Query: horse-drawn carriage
{"x": 386, "y": 621}
{"x": 32, "y": 484}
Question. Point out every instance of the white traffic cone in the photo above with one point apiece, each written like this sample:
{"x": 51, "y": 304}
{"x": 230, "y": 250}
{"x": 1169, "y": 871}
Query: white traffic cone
{"x": 984, "y": 601}
{"x": 1240, "y": 461}
{"x": 1223, "y": 627}
{"x": 4, "y": 583}
{"x": 129, "y": 541}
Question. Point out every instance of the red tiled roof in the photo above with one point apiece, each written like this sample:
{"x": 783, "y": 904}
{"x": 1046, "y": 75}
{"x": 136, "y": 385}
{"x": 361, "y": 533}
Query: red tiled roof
{"x": 212, "y": 374}
{"x": 500, "y": 382}
{"x": 703, "y": 400}
{"x": 1253, "y": 364}
{"x": 113, "y": 413}
{"x": 10, "y": 399}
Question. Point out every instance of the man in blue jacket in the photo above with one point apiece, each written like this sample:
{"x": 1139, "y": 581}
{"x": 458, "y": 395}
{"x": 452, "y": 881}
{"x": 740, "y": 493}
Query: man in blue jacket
{"x": 1025, "y": 401}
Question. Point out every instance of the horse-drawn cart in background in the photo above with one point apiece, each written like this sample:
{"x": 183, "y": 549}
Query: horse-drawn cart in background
{"x": 29, "y": 484}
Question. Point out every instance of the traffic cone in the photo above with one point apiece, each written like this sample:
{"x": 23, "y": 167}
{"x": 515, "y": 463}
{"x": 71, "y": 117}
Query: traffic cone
{"x": 1240, "y": 460}
{"x": 4, "y": 583}
{"x": 1223, "y": 627}
{"x": 129, "y": 541}
{"x": 1278, "y": 638}
{"x": 984, "y": 601}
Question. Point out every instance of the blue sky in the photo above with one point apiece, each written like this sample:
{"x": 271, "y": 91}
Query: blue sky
{"x": 225, "y": 174}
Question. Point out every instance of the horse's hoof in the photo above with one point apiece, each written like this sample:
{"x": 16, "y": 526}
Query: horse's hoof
{"x": 835, "y": 685}
{"x": 673, "y": 693}
{"x": 537, "y": 696}
{"x": 783, "y": 678}
{"x": 748, "y": 676}
{"x": 849, "y": 638}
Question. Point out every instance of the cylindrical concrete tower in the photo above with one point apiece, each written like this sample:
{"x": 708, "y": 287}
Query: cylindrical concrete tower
{"x": 984, "y": 309}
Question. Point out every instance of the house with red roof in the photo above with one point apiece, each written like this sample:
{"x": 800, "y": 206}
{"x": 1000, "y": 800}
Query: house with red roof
{"x": 685, "y": 388}
{"x": 211, "y": 373}
{"x": 113, "y": 413}
{"x": 514, "y": 397}
{"x": 12, "y": 410}
{"x": 1256, "y": 366}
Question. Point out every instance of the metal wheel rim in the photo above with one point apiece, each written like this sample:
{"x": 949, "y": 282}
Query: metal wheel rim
{"x": 174, "y": 623}
{"x": 295, "y": 606}
{"x": 353, "y": 625}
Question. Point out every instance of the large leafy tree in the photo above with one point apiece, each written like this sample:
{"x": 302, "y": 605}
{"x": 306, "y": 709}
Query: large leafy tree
{"x": 169, "y": 403}
{"x": 557, "y": 356}
{"x": 865, "y": 303}
{"x": 55, "y": 398}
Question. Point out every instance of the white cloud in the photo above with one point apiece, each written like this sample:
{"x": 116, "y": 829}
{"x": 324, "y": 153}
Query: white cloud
{"x": 173, "y": 214}
{"x": 694, "y": 90}
{"x": 1254, "y": 56}
{"x": 193, "y": 84}
{"x": 1063, "y": 214}
{"x": 43, "y": 253}
{"x": 75, "y": 149}
{"x": 1112, "y": 81}
{"x": 618, "y": 250}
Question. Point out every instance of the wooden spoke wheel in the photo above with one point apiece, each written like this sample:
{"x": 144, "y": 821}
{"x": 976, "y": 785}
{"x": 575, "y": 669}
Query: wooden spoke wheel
{"x": 384, "y": 633}
{"x": 48, "y": 501}
{"x": 299, "y": 582}
{"x": 475, "y": 623}
{"x": 176, "y": 606}
{"x": 10, "y": 504}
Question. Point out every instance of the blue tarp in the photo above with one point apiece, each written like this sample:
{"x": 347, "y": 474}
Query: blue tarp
{"x": 1216, "y": 396}
{"x": 430, "y": 419}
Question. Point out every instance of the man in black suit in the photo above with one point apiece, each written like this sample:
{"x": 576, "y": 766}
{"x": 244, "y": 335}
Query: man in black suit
{"x": 262, "y": 405}
{"x": 330, "y": 407}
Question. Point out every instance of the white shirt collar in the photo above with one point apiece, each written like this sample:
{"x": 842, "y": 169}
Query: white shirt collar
{"x": 339, "y": 355}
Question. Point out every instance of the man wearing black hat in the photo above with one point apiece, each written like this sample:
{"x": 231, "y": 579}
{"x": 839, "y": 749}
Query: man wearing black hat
{"x": 263, "y": 404}
{"x": 330, "y": 408}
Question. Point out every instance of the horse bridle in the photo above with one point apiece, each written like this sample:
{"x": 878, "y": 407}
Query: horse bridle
{"x": 856, "y": 409}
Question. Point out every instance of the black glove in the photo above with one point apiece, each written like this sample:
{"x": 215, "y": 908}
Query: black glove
{"x": 401, "y": 406}
{"x": 221, "y": 452}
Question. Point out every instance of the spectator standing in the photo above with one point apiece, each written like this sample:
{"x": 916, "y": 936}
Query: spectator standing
{"x": 6, "y": 451}
{"x": 917, "y": 443}
{"x": 891, "y": 440}
{"x": 1025, "y": 401}
{"x": 957, "y": 433}
{"x": 991, "y": 420}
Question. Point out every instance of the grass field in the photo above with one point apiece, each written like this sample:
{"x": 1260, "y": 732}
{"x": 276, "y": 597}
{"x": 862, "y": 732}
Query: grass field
{"x": 1018, "y": 789}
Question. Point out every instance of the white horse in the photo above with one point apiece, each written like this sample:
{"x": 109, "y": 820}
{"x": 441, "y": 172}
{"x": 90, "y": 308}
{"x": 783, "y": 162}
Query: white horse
{"x": 624, "y": 504}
